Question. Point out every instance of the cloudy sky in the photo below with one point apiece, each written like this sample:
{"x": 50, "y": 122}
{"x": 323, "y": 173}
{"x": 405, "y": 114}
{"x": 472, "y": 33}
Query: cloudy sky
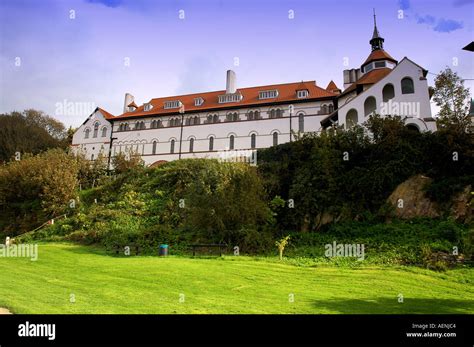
{"x": 83, "y": 53}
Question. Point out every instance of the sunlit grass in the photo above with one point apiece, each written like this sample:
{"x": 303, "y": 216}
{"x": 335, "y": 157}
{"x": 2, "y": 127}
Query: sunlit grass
{"x": 100, "y": 283}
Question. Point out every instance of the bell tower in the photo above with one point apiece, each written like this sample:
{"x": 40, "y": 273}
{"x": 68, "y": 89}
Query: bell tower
{"x": 377, "y": 41}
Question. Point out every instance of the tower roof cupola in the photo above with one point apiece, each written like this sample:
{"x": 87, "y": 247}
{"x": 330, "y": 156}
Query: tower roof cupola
{"x": 376, "y": 41}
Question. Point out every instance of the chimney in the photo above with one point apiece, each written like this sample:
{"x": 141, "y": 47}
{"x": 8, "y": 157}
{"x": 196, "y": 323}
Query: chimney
{"x": 230, "y": 83}
{"x": 128, "y": 99}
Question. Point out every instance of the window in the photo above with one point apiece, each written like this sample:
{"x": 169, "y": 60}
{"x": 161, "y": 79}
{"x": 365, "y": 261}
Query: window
{"x": 172, "y": 146}
{"x": 301, "y": 122}
{"x": 331, "y": 108}
{"x": 172, "y": 104}
{"x": 232, "y": 117}
{"x": 379, "y": 64}
{"x": 231, "y": 142}
{"x": 268, "y": 94}
{"x": 368, "y": 68}
{"x": 370, "y": 105}
{"x": 92, "y": 157}
{"x": 197, "y": 120}
{"x": 230, "y": 98}
{"x": 188, "y": 121}
{"x": 407, "y": 86}
{"x": 147, "y": 107}
{"x": 211, "y": 143}
{"x": 191, "y": 145}
{"x": 86, "y": 136}
{"x": 301, "y": 94}
{"x": 272, "y": 113}
{"x": 154, "y": 148}
{"x": 275, "y": 139}
{"x": 253, "y": 141}
{"x": 388, "y": 92}
{"x": 250, "y": 115}
{"x": 124, "y": 127}
{"x": 104, "y": 132}
{"x": 257, "y": 115}
{"x": 96, "y": 129}
{"x": 216, "y": 118}
{"x": 198, "y": 101}
{"x": 279, "y": 113}
{"x": 324, "y": 109}
{"x": 351, "y": 118}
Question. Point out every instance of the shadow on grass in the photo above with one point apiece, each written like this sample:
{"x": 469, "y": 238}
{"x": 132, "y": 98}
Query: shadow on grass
{"x": 392, "y": 306}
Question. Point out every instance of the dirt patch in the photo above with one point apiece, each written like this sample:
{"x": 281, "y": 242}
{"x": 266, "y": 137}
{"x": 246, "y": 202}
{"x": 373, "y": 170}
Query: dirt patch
{"x": 4, "y": 311}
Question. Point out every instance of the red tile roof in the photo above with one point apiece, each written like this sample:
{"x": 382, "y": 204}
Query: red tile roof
{"x": 370, "y": 77}
{"x": 378, "y": 54}
{"x": 106, "y": 114}
{"x": 332, "y": 87}
{"x": 286, "y": 92}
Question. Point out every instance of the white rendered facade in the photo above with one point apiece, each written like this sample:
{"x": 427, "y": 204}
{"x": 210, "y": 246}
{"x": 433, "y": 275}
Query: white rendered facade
{"x": 259, "y": 117}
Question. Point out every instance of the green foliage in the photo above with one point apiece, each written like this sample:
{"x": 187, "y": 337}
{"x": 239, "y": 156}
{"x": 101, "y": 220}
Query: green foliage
{"x": 453, "y": 100}
{"x": 349, "y": 174}
{"x": 29, "y": 132}
{"x": 36, "y": 188}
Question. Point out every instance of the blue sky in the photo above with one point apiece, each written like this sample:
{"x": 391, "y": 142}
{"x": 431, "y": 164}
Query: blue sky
{"x": 93, "y": 51}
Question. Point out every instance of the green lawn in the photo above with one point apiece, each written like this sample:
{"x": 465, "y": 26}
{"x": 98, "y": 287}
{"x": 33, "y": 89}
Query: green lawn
{"x": 107, "y": 284}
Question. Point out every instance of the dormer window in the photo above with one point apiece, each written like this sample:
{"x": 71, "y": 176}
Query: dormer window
{"x": 172, "y": 104}
{"x": 230, "y": 98}
{"x": 268, "y": 94}
{"x": 147, "y": 107}
{"x": 301, "y": 94}
{"x": 198, "y": 101}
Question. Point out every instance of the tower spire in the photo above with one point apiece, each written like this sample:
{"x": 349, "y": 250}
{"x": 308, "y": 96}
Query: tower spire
{"x": 377, "y": 41}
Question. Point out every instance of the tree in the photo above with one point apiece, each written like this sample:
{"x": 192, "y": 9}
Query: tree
{"x": 453, "y": 99}
{"x": 29, "y": 132}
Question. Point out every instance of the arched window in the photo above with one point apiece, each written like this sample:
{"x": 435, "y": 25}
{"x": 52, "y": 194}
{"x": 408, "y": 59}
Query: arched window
{"x": 191, "y": 145}
{"x": 370, "y": 105}
{"x": 216, "y": 118}
{"x": 278, "y": 113}
{"x": 171, "y": 122}
{"x": 96, "y": 129}
{"x": 351, "y": 118}
{"x": 197, "y": 120}
{"x": 104, "y": 132}
{"x": 388, "y": 92}
{"x": 92, "y": 157}
{"x": 211, "y": 143}
{"x": 86, "y": 135}
{"x": 142, "y": 125}
{"x": 324, "y": 109}
{"x": 413, "y": 127}
{"x": 250, "y": 115}
{"x": 331, "y": 108}
{"x": 153, "y": 124}
{"x": 231, "y": 142}
{"x": 275, "y": 139}
{"x": 257, "y": 114}
{"x": 153, "y": 151}
{"x": 272, "y": 113}
{"x": 235, "y": 117}
{"x": 209, "y": 118}
{"x": 253, "y": 141}
{"x": 172, "y": 146}
{"x": 407, "y": 86}
{"x": 301, "y": 123}
{"x": 188, "y": 121}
